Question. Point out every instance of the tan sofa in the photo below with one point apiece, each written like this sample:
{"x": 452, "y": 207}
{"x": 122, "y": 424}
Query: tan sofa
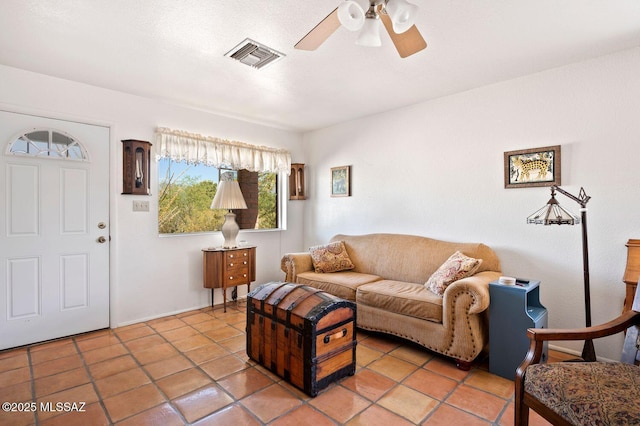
{"x": 387, "y": 284}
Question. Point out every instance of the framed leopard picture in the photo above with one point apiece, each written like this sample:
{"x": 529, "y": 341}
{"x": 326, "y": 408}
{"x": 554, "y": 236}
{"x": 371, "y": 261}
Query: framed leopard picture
{"x": 532, "y": 167}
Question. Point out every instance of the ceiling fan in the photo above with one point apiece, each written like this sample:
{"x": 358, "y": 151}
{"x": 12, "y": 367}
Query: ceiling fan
{"x": 397, "y": 16}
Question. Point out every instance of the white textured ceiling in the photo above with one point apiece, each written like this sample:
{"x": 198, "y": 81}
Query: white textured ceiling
{"x": 173, "y": 50}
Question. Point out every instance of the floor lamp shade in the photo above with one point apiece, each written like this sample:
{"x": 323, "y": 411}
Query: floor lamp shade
{"x": 229, "y": 197}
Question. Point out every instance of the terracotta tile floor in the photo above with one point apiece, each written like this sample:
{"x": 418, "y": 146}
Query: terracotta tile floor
{"x": 192, "y": 369}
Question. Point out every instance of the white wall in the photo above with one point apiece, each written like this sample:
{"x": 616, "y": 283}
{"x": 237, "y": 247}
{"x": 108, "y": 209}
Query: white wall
{"x": 436, "y": 169}
{"x": 151, "y": 275}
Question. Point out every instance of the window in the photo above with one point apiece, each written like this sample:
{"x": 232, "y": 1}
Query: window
{"x": 185, "y": 192}
{"x": 189, "y": 171}
{"x": 48, "y": 143}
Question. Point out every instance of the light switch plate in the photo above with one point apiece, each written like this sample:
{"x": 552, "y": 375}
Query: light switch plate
{"x": 140, "y": 206}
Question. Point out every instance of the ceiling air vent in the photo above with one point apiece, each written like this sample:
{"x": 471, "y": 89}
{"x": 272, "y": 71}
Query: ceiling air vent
{"x": 254, "y": 54}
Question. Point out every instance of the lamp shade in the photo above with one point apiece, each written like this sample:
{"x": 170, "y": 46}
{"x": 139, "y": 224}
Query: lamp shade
{"x": 370, "y": 34}
{"x": 351, "y": 15}
{"x": 402, "y": 14}
{"x": 553, "y": 214}
{"x": 228, "y": 196}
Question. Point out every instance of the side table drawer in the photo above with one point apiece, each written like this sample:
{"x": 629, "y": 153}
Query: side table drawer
{"x": 236, "y": 256}
{"x": 234, "y": 264}
{"x": 236, "y": 279}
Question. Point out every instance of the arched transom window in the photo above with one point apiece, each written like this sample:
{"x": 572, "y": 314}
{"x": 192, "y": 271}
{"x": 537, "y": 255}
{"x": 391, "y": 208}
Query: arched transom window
{"x": 48, "y": 143}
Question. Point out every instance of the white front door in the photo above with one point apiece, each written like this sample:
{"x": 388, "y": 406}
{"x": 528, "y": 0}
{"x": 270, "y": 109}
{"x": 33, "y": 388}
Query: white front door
{"x": 54, "y": 228}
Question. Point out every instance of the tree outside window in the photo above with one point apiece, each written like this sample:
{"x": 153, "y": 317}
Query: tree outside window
{"x": 186, "y": 191}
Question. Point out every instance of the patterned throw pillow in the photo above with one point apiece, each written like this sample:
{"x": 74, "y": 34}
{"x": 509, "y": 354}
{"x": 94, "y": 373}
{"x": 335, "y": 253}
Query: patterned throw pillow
{"x": 458, "y": 266}
{"x": 331, "y": 257}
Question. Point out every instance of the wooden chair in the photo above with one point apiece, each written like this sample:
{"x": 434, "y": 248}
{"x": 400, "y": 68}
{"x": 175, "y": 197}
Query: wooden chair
{"x": 582, "y": 393}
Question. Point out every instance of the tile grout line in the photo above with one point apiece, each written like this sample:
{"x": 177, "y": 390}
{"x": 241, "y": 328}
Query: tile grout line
{"x": 33, "y": 386}
{"x": 153, "y": 381}
{"x": 146, "y": 372}
{"x": 396, "y": 383}
{"x": 195, "y": 366}
{"x": 92, "y": 381}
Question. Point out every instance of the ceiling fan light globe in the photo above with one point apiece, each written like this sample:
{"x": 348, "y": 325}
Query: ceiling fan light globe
{"x": 402, "y": 14}
{"x": 351, "y": 15}
{"x": 370, "y": 34}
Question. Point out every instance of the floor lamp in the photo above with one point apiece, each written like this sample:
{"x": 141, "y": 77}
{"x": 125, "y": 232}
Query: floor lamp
{"x": 553, "y": 214}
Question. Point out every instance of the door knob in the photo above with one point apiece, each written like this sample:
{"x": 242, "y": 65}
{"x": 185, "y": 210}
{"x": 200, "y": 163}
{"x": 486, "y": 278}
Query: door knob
{"x": 102, "y": 240}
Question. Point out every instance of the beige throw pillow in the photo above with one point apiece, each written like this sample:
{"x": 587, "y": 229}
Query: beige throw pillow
{"x": 332, "y": 257}
{"x": 455, "y": 268}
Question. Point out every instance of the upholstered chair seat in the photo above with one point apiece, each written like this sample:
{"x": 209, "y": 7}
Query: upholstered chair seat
{"x": 588, "y": 393}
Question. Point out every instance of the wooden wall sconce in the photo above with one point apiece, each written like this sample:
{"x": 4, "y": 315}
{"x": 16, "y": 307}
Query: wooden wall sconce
{"x": 136, "y": 167}
{"x": 296, "y": 182}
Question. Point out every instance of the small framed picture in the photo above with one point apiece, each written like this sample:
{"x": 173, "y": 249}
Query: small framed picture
{"x": 532, "y": 167}
{"x": 341, "y": 181}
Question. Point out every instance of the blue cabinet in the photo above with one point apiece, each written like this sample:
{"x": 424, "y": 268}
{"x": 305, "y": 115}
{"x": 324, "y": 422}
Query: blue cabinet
{"x": 513, "y": 309}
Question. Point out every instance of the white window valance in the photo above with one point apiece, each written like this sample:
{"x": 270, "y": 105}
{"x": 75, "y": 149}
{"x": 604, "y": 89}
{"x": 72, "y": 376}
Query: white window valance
{"x": 193, "y": 148}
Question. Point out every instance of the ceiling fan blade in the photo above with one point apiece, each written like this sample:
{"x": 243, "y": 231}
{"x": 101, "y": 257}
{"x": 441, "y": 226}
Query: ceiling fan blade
{"x": 407, "y": 43}
{"x": 320, "y": 32}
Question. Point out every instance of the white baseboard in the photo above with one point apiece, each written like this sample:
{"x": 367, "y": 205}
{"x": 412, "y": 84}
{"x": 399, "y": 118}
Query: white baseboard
{"x": 167, "y": 314}
{"x": 578, "y": 354}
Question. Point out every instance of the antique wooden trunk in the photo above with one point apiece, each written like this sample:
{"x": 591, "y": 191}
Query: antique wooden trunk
{"x": 302, "y": 334}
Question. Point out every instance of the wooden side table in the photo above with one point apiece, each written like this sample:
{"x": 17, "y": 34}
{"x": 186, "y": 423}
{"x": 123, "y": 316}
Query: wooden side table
{"x": 224, "y": 268}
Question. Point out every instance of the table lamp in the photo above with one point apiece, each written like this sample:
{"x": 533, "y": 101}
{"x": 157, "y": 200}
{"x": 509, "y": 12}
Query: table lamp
{"x": 229, "y": 196}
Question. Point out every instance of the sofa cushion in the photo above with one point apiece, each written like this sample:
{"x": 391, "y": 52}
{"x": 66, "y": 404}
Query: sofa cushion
{"x": 341, "y": 284}
{"x": 402, "y": 298}
{"x": 456, "y": 267}
{"x": 332, "y": 257}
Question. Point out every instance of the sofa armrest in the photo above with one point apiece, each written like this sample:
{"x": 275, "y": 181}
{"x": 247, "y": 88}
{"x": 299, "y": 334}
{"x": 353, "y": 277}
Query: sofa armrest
{"x": 294, "y": 263}
{"x": 464, "y": 315}
{"x": 475, "y": 286}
